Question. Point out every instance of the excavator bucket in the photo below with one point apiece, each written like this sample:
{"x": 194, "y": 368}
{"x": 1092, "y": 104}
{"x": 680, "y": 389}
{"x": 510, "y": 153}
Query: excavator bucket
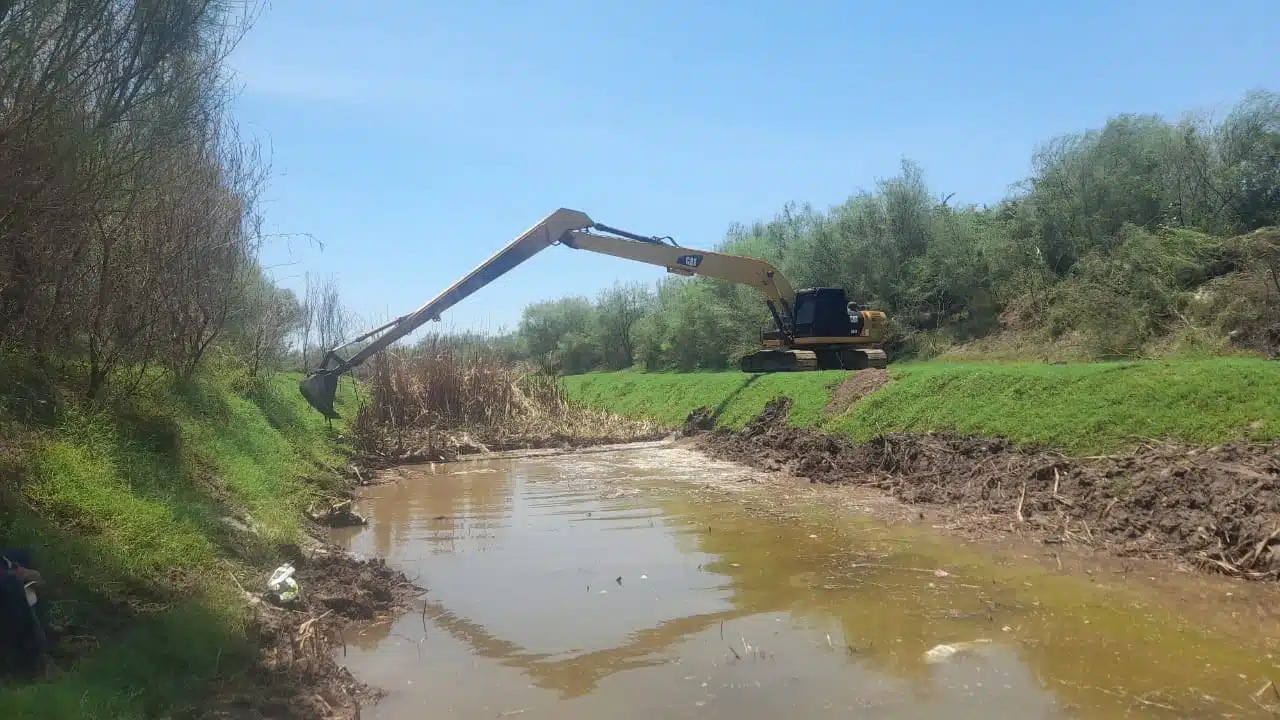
{"x": 320, "y": 388}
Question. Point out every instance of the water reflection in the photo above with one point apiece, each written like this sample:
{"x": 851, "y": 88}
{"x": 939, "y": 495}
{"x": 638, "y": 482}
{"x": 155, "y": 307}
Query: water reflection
{"x": 608, "y": 589}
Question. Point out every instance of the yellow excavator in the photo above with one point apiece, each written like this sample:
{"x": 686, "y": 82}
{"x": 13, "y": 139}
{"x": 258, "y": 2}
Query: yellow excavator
{"x": 814, "y": 329}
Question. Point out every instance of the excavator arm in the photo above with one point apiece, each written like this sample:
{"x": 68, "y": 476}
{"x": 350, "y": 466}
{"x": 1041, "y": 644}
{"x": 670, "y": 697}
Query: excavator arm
{"x": 684, "y": 261}
{"x": 572, "y": 229}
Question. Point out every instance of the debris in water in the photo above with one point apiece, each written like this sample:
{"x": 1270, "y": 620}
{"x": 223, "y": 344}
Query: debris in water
{"x": 604, "y": 592}
{"x": 813, "y": 537}
{"x": 618, "y": 580}
{"x": 1271, "y": 685}
{"x": 337, "y": 515}
{"x": 644, "y": 577}
{"x": 946, "y": 651}
{"x": 940, "y": 573}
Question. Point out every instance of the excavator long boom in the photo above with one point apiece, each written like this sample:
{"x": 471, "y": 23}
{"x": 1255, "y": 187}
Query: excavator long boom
{"x": 573, "y": 229}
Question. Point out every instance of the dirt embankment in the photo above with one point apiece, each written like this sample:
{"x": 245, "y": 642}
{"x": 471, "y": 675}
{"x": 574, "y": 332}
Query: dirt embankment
{"x": 862, "y": 384}
{"x": 1213, "y": 508}
{"x": 296, "y": 674}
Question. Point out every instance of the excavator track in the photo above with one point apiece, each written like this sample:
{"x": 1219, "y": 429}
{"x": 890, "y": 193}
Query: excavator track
{"x": 766, "y": 361}
{"x": 854, "y": 359}
{"x": 779, "y": 361}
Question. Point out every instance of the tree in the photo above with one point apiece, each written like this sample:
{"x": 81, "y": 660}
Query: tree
{"x": 266, "y": 318}
{"x": 1107, "y": 239}
{"x": 327, "y": 314}
{"x": 129, "y": 218}
{"x": 617, "y": 310}
{"x": 562, "y": 333}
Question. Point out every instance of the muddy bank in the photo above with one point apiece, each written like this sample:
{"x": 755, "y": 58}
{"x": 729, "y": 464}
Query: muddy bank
{"x": 1215, "y": 509}
{"x": 296, "y": 675}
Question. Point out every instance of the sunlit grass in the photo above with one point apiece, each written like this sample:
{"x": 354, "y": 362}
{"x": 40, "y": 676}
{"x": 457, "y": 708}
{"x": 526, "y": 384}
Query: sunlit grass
{"x": 1082, "y": 408}
{"x": 125, "y": 505}
{"x": 734, "y": 397}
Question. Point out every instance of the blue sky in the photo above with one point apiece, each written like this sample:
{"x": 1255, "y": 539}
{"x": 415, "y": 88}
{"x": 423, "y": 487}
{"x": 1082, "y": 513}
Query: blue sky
{"x": 414, "y": 139}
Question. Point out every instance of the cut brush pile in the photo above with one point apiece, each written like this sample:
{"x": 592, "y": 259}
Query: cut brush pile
{"x": 441, "y": 400}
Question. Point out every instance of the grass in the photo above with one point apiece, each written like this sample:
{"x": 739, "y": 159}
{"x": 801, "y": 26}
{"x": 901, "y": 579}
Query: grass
{"x": 1080, "y": 408}
{"x": 1077, "y": 408}
{"x": 734, "y": 397}
{"x": 124, "y": 505}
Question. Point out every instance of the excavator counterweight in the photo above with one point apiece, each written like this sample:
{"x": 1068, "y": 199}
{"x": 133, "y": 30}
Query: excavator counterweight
{"x": 814, "y": 329}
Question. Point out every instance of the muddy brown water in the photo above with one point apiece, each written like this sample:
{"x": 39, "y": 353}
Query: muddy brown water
{"x": 653, "y": 582}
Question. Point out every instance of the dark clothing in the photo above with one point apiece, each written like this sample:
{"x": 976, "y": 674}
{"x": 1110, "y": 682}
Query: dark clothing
{"x": 22, "y": 625}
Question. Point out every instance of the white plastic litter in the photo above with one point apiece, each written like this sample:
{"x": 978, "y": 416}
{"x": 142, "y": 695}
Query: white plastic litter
{"x": 946, "y": 651}
{"x": 282, "y": 585}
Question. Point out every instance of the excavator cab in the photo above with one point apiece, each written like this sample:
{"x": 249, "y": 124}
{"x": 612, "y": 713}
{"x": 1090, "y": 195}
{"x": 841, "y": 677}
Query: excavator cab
{"x": 822, "y": 312}
{"x": 828, "y": 332}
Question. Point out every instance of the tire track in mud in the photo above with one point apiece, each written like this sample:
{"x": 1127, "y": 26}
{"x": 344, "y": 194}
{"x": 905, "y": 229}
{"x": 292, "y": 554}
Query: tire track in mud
{"x": 1215, "y": 509}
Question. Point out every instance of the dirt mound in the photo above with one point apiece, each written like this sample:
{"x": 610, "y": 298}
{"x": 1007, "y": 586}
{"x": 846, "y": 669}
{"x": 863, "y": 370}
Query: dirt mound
{"x": 852, "y": 390}
{"x": 1215, "y": 508}
{"x": 700, "y": 420}
{"x": 354, "y": 590}
{"x": 296, "y": 675}
{"x": 768, "y": 442}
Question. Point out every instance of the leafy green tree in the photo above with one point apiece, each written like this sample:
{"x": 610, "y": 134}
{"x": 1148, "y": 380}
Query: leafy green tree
{"x": 1117, "y": 240}
{"x": 618, "y": 309}
{"x": 562, "y": 333}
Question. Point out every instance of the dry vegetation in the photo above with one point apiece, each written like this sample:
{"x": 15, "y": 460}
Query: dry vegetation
{"x": 442, "y": 399}
{"x": 129, "y": 213}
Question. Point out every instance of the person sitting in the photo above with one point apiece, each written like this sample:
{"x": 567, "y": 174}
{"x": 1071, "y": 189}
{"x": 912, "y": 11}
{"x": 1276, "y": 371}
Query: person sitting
{"x": 23, "y": 616}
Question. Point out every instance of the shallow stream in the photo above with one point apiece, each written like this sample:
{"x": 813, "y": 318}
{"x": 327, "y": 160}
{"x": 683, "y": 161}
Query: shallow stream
{"x": 651, "y": 582}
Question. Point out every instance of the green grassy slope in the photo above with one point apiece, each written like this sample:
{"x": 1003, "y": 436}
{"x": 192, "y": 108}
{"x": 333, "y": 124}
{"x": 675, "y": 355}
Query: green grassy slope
{"x": 125, "y": 509}
{"x": 734, "y": 396}
{"x": 1080, "y": 408}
